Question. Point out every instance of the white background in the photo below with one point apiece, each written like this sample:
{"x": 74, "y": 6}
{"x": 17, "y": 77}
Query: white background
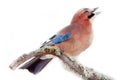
{"x": 25, "y": 24}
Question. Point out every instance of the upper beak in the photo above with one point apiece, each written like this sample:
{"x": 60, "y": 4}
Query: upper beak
{"x": 94, "y": 11}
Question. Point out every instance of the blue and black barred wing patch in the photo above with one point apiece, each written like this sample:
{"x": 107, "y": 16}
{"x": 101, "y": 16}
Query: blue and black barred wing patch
{"x": 60, "y": 38}
{"x": 57, "y": 39}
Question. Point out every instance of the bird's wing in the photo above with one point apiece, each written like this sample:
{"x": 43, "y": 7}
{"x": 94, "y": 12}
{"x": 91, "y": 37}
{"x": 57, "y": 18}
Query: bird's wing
{"x": 58, "y": 38}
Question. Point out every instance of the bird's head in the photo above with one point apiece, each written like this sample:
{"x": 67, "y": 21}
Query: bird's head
{"x": 84, "y": 14}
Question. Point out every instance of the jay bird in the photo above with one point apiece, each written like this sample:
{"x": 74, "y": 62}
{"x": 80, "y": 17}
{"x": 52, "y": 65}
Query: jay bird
{"x": 72, "y": 40}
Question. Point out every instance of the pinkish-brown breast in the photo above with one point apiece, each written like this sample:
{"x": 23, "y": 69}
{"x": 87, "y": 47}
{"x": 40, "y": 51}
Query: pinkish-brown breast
{"x": 80, "y": 39}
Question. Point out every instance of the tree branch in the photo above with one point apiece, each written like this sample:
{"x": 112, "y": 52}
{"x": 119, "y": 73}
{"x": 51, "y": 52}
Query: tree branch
{"x": 85, "y": 72}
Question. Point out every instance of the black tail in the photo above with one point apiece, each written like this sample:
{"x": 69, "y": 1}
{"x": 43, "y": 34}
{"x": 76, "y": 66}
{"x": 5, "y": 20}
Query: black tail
{"x": 36, "y": 65}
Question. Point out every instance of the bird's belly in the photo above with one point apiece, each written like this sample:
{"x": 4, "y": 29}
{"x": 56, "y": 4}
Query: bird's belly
{"x": 75, "y": 46}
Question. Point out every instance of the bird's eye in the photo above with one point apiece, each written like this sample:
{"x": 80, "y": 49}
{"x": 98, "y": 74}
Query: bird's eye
{"x": 86, "y": 11}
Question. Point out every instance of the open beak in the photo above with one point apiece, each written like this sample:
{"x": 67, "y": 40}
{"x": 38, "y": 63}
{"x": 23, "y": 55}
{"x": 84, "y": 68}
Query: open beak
{"x": 93, "y": 13}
